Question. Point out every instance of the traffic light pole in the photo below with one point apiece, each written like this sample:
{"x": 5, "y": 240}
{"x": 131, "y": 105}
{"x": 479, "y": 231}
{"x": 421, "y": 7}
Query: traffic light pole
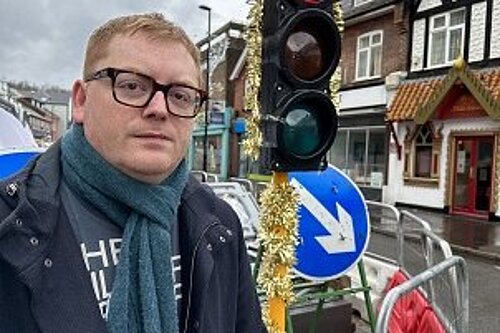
{"x": 277, "y": 305}
{"x": 300, "y": 52}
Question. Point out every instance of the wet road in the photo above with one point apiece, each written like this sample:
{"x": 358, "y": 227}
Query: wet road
{"x": 484, "y": 298}
{"x": 474, "y": 233}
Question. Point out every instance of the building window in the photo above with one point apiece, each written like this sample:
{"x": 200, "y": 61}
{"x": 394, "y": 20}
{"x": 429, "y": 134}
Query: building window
{"x": 360, "y": 153}
{"x": 422, "y": 153}
{"x": 214, "y": 153}
{"x": 446, "y": 37}
{"x": 369, "y": 55}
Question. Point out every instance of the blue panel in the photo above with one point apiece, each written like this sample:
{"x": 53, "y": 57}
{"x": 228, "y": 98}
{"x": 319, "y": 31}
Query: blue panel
{"x": 12, "y": 163}
{"x": 332, "y": 197}
{"x": 239, "y": 125}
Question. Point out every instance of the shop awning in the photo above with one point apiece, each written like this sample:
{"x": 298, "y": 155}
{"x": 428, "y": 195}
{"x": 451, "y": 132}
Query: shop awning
{"x": 419, "y": 100}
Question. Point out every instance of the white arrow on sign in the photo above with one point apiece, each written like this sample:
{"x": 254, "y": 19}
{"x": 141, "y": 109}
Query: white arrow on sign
{"x": 341, "y": 237}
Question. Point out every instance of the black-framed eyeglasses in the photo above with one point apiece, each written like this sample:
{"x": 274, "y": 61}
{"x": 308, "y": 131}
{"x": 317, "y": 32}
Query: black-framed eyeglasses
{"x": 137, "y": 90}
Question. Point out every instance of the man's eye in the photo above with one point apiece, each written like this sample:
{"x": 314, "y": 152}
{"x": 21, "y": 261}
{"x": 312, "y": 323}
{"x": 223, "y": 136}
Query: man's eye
{"x": 131, "y": 85}
{"x": 181, "y": 96}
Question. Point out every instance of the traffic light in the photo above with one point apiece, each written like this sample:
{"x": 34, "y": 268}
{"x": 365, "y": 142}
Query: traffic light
{"x": 301, "y": 50}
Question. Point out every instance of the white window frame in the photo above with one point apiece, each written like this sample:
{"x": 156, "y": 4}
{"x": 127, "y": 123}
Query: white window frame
{"x": 369, "y": 50}
{"x": 448, "y": 30}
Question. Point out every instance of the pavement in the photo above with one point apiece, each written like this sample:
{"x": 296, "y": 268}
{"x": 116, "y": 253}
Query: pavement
{"x": 466, "y": 235}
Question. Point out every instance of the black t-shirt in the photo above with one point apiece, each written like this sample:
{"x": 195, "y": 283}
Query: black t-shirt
{"x": 100, "y": 242}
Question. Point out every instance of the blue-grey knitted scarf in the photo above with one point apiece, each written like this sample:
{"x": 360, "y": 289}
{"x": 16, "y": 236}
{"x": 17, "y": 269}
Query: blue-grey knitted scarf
{"x": 142, "y": 298}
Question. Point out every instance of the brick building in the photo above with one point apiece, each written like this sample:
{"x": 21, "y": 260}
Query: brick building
{"x": 373, "y": 61}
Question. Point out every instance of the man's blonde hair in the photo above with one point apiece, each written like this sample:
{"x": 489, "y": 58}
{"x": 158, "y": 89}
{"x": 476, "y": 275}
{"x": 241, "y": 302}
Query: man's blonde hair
{"x": 154, "y": 25}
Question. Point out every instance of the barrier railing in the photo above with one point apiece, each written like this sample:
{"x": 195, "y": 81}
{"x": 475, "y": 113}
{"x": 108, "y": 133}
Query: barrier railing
{"x": 204, "y": 176}
{"x": 455, "y": 264}
{"x": 418, "y": 249}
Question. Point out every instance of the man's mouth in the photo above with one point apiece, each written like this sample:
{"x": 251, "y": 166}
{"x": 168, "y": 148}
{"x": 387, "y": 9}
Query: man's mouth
{"x": 152, "y": 135}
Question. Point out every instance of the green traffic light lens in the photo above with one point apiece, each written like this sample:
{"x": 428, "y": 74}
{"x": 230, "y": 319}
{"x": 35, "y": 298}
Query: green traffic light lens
{"x": 308, "y": 125}
{"x": 301, "y": 132}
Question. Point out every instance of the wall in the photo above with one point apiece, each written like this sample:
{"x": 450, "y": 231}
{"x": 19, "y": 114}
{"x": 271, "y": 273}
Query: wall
{"x": 394, "y": 47}
{"x": 495, "y": 30}
{"x": 428, "y": 4}
{"x": 239, "y": 93}
{"x": 363, "y": 97}
{"x": 476, "y": 40}
{"x": 477, "y": 32}
{"x": 417, "y": 52}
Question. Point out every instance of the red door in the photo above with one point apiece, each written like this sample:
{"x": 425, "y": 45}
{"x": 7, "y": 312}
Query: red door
{"x": 472, "y": 179}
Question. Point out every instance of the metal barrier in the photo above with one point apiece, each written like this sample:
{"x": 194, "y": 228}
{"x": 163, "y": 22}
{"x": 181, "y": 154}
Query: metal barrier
{"x": 414, "y": 283}
{"x": 200, "y": 175}
{"x": 419, "y": 244}
{"x": 425, "y": 230}
{"x": 397, "y": 218}
{"x": 242, "y": 202}
{"x": 259, "y": 188}
{"x": 423, "y": 251}
{"x": 245, "y": 182}
{"x": 204, "y": 176}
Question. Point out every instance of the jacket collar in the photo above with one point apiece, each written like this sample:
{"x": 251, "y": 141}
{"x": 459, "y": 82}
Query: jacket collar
{"x": 33, "y": 215}
{"x": 38, "y": 203}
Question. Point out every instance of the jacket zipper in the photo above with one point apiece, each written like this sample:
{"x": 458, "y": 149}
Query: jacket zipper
{"x": 191, "y": 273}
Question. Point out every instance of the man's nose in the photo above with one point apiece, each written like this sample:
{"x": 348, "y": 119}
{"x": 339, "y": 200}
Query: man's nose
{"x": 157, "y": 107}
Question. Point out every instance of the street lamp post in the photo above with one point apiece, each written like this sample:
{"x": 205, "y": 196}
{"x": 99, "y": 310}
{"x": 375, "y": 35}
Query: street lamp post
{"x": 205, "y": 136}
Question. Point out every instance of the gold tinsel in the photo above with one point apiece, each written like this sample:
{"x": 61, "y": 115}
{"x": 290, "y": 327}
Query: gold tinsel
{"x": 253, "y": 36}
{"x": 336, "y": 78}
{"x": 278, "y": 236}
{"x": 279, "y": 202}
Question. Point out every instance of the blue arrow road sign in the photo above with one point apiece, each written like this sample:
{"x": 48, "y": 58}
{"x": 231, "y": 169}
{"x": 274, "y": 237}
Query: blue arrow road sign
{"x": 13, "y": 161}
{"x": 334, "y": 225}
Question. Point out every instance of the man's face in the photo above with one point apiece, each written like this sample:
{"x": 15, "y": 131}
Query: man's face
{"x": 145, "y": 143}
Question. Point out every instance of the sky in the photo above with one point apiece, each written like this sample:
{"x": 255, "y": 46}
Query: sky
{"x": 43, "y": 41}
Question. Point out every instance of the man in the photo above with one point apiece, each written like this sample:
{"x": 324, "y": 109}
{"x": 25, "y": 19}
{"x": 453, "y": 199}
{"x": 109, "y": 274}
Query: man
{"x": 106, "y": 231}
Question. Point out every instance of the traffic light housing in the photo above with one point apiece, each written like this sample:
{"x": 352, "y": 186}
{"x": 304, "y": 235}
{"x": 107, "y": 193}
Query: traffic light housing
{"x": 301, "y": 50}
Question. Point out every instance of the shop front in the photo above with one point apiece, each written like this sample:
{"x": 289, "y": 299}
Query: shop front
{"x": 447, "y": 131}
{"x": 472, "y": 180}
{"x": 360, "y": 145}
{"x": 217, "y": 149}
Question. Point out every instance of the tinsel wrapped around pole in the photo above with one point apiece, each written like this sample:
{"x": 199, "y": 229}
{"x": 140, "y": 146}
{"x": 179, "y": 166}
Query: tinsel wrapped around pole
{"x": 278, "y": 231}
{"x": 253, "y": 36}
{"x": 278, "y": 236}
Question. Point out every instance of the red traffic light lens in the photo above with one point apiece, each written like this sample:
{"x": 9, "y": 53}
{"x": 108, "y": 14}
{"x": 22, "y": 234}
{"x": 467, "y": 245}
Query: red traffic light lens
{"x": 310, "y": 46}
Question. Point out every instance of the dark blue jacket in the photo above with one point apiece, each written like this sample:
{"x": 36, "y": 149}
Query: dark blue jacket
{"x": 45, "y": 287}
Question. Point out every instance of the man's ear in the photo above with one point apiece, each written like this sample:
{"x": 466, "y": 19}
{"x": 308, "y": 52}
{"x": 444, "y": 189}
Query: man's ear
{"x": 78, "y": 97}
